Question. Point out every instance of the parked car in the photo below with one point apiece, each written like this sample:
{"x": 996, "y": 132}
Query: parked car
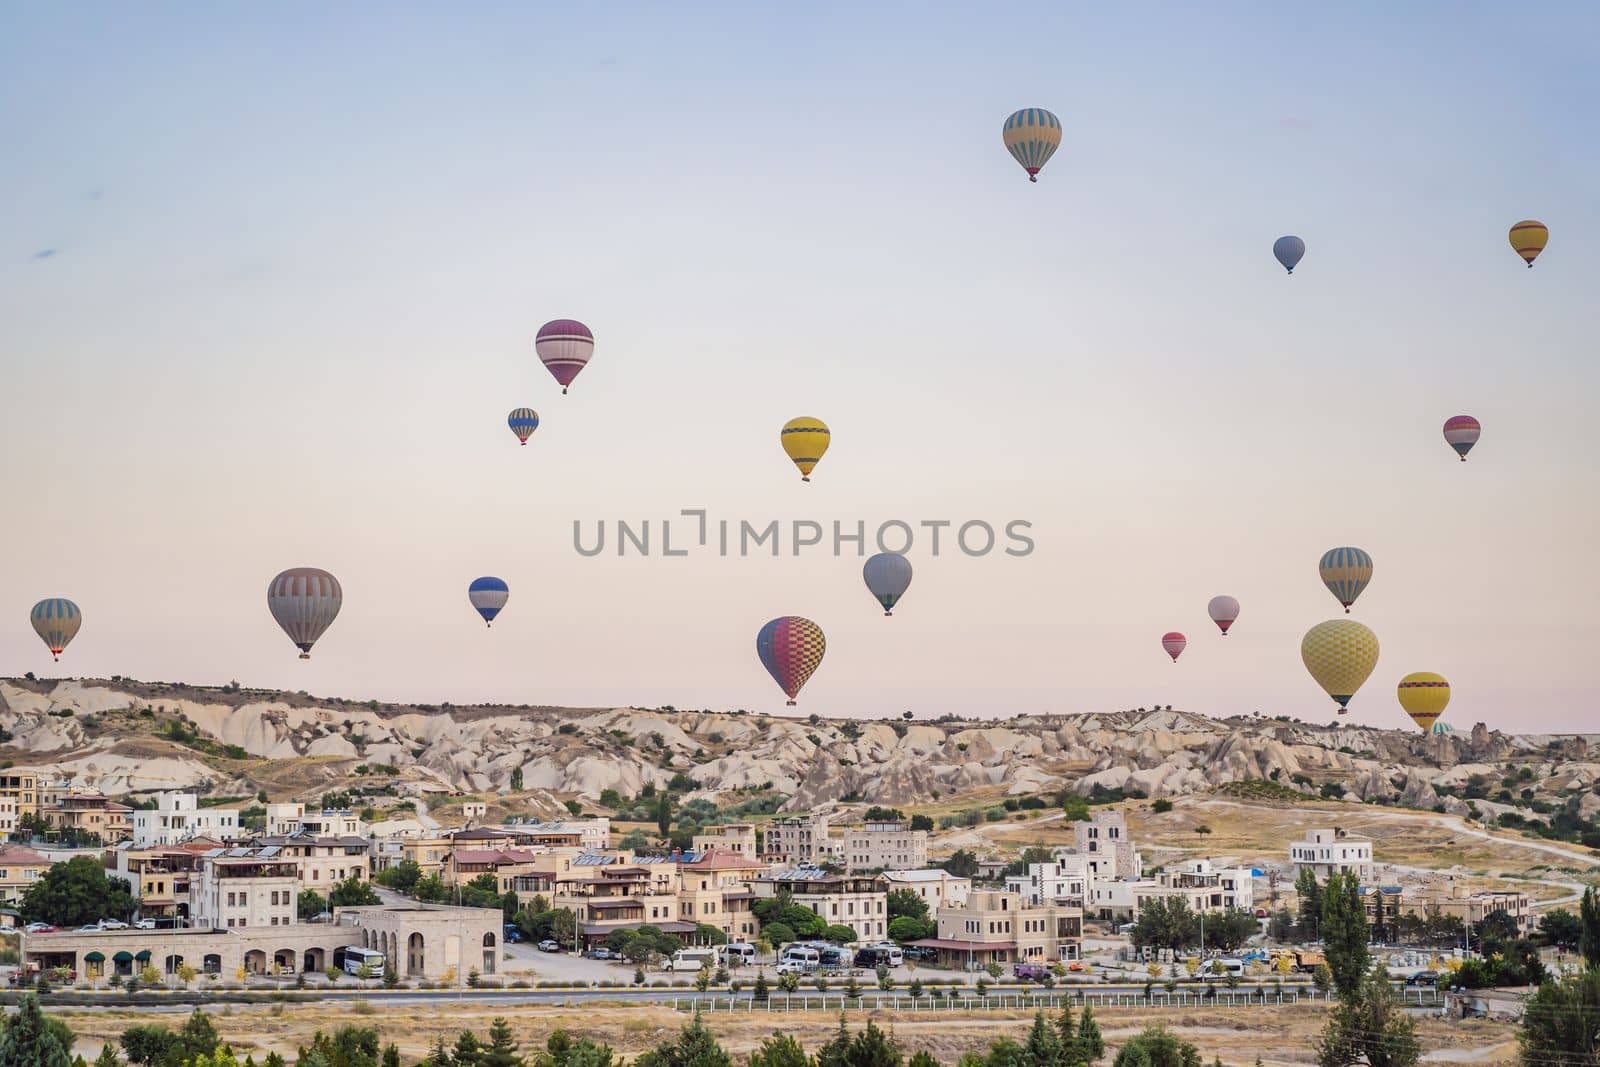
{"x": 40, "y": 928}
{"x": 1030, "y": 972}
{"x": 548, "y": 945}
{"x": 600, "y": 952}
{"x": 918, "y": 952}
{"x": 145, "y": 924}
{"x": 793, "y": 966}
{"x": 1423, "y": 978}
{"x": 113, "y": 924}
{"x": 90, "y": 928}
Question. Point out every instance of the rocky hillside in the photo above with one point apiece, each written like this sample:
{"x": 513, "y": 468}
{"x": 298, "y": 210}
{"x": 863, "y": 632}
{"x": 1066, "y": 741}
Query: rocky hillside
{"x": 122, "y": 736}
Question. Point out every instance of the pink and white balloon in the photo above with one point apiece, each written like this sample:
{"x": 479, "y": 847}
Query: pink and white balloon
{"x": 1461, "y": 433}
{"x": 564, "y": 347}
{"x": 1223, "y": 610}
{"x": 1174, "y": 643}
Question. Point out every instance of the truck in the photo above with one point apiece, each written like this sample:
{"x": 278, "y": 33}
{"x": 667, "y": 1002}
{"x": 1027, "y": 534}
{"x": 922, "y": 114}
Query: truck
{"x": 1306, "y": 960}
{"x": 1030, "y": 972}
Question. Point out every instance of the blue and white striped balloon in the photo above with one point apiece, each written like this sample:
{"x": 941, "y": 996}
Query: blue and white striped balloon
{"x": 488, "y": 595}
{"x": 56, "y": 621}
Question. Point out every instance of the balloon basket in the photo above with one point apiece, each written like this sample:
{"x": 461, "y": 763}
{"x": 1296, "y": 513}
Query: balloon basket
{"x": 305, "y": 655}
{"x": 789, "y": 703}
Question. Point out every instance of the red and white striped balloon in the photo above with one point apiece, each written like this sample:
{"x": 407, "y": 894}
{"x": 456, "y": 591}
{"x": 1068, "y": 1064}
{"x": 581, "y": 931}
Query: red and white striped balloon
{"x": 564, "y": 347}
{"x": 1174, "y": 643}
{"x": 1223, "y": 610}
{"x": 1461, "y": 433}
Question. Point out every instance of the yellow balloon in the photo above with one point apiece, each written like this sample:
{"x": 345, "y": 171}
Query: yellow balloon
{"x": 1424, "y": 695}
{"x": 806, "y": 441}
{"x": 1528, "y": 239}
{"x": 1340, "y": 654}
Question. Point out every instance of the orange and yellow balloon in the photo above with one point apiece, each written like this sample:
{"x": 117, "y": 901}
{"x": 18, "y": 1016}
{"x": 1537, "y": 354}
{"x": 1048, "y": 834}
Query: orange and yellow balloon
{"x": 1424, "y": 696}
{"x": 805, "y": 440}
{"x": 1528, "y": 239}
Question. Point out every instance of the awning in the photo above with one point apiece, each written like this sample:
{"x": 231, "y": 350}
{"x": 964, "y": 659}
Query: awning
{"x": 142, "y": 955}
{"x": 964, "y": 946}
{"x": 123, "y": 957}
{"x": 94, "y": 957}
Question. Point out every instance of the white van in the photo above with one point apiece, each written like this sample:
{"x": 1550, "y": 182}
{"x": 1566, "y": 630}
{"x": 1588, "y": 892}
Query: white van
{"x": 738, "y": 954}
{"x": 692, "y": 959}
{"x": 800, "y": 959}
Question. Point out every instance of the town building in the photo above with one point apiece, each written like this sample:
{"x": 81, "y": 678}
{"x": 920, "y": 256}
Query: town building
{"x": 19, "y": 869}
{"x": 737, "y": 837}
{"x": 936, "y": 886}
{"x": 591, "y": 833}
{"x": 1458, "y": 901}
{"x": 427, "y": 851}
{"x": 1199, "y": 885}
{"x": 852, "y": 900}
{"x": 1329, "y": 852}
{"x": 996, "y": 926}
{"x": 160, "y": 877}
{"x": 462, "y": 865}
{"x": 713, "y": 891}
{"x": 881, "y": 845}
{"x": 1103, "y": 841}
{"x": 422, "y": 941}
{"x": 243, "y": 887}
{"x": 1065, "y": 879}
{"x": 87, "y": 816}
{"x": 798, "y": 838}
{"x": 288, "y": 820}
{"x": 323, "y": 862}
{"x": 177, "y": 817}
{"x": 19, "y": 798}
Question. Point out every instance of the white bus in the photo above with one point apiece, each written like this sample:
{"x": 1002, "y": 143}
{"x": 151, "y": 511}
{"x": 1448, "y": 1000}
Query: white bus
{"x": 355, "y": 958}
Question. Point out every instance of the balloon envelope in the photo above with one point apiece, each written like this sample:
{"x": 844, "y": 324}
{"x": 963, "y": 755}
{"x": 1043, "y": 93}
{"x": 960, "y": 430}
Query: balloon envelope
{"x": 1340, "y": 654}
{"x": 1528, "y": 239}
{"x": 888, "y": 575}
{"x": 805, "y": 440}
{"x": 523, "y": 421}
{"x": 56, "y": 621}
{"x": 1032, "y": 136}
{"x": 1174, "y": 643}
{"x": 1424, "y": 696}
{"x": 305, "y": 601}
{"x": 1440, "y": 729}
{"x": 1223, "y": 611}
{"x": 488, "y": 595}
{"x": 1346, "y": 572}
{"x": 790, "y": 648}
{"x": 1461, "y": 433}
{"x": 1289, "y": 250}
{"x": 564, "y": 347}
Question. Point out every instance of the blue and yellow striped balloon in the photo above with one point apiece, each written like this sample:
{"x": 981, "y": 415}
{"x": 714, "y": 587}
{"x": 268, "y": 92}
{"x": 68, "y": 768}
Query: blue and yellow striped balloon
{"x": 523, "y": 421}
{"x": 1032, "y": 136}
{"x": 1345, "y": 571}
{"x": 56, "y": 621}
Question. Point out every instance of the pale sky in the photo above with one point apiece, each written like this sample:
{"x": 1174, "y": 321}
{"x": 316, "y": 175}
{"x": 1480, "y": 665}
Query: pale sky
{"x": 297, "y": 257}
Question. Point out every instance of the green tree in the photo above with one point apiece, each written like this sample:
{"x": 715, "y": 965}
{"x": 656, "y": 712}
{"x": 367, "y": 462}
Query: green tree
{"x": 402, "y": 877}
{"x": 762, "y": 992}
{"x": 905, "y": 928}
{"x": 28, "y": 1040}
{"x": 561, "y": 1050}
{"x": 198, "y": 1037}
{"x": 1344, "y": 932}
{"x": 779, "y": 1050}
{"x": 695, "y": 1046}
{"x": 1310, "y": 894}
{"x": 107, "y": 1057}
{"x": 353, "y": 893}
{"x": 516, "y": 779}
{"x": 1588, "y": 918}
{"x": 662, "y": 813}
{"x": 1044, "y": 1047}
{"x": 391, "y": 1055}
{"x": 1369, "y": 1026}
{"x": 309, "y": 904}
{"x": 502, "y": 1050}
{"x": 922, "y": 822}
{"x": 1075, "y": 809}
{"x": 1159, "y": 1047}
{"x": 836, "y": 1052}
{"x": 906, "y": 902}
{"x": 1561, "y": 927}
{"x": 76, "y": 893}
{"x": 468, "y": 1050}
{"x": 963, "y": 864}
{"x": 1090, "y": 1046}
{"x": 1561, "y": 1022}
{"x": 839, "y": 934}
{"x": 872, "y": 1047}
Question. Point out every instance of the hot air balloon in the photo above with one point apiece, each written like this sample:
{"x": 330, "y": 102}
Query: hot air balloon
{"x": 1223, "y": 610}
{"x": 1461, "y": 433}
{"x": 790, "y": 649}
{"x": 1528, "y": 239}
{"x": 1441, "y": 729}
{"x": 1340, "y": 655}
{"x": 488, "y": 595}
{"x": 1174, "y": 643}
{"x": 305, "y": 601}
{"x": 1424, "y": 696}
{"x": 1345, "y": 571}
{"x": 56, "y": 621}
{"x": 564, "y": 347}
{"x": 523, "y": 421}
{"x": 806, "y": 441}
{"x": 1032, "y": 136}
{"x": 888, "y": 575}
{"x": 1289, "y": 250}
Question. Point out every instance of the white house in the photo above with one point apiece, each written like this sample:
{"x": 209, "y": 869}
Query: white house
{"x": 1327, "y": 852}
{"x": 938, "y": 887}
{"x": 1066, "y": 878}
{"x": 178, "y": 817}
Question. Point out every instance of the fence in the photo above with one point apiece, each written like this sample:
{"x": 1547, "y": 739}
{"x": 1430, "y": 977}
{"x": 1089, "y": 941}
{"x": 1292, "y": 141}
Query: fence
{"x": 1217, "y": 998}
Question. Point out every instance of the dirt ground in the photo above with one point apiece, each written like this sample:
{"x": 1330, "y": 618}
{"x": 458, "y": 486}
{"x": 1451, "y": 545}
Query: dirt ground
{"x": 1281, "y": 1037}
